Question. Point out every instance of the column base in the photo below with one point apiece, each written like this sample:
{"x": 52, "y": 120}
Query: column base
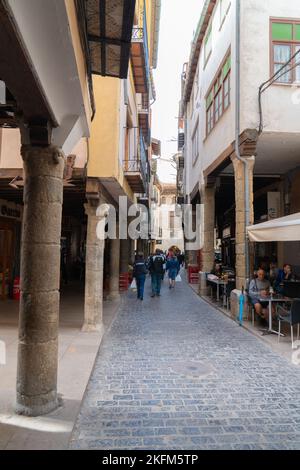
{"x": 37, "y": 406}
{"x": 88, "y": 328}
{"x": 204, "y": 289}
{"x": 113, "y": 296}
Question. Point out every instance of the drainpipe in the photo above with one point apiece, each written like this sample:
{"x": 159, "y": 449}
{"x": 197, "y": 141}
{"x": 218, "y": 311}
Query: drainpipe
{"x": 237, "y": 133}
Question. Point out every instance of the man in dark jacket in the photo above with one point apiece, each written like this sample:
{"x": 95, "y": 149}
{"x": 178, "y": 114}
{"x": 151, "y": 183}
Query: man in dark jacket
{"x": 139, "y": 273}
{"x": 156, "y": 268}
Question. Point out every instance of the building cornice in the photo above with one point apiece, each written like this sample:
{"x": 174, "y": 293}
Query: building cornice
{"x": 156, "y": 12}
{"x": 204, "y": 21}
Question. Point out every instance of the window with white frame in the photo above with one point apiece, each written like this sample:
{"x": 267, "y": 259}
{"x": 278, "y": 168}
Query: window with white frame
{"x": 285, "y": 36}
{"x": 208, "y": 45}
{"x": 218, "y": 98}
{"x": 224, "y": 8}
{"x": 195, "y": 143}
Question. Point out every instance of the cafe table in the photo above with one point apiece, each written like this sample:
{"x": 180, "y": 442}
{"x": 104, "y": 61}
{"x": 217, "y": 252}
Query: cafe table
{"x": 218, "y": 283}
{"x": 275, "y": 298}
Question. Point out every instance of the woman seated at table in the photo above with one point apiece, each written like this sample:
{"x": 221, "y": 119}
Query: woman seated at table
{"x": 285, "y": 274}
{"x": 217, "y": 270}
{"x": 258, "y": 289}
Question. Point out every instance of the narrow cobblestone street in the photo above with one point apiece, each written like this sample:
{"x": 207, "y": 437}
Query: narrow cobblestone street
{"x": 174, "y": 373}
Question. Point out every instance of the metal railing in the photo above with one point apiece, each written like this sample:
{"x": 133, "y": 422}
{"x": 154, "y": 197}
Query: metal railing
{"x": 139, "y": 164}
{"x": 141, "y": 35}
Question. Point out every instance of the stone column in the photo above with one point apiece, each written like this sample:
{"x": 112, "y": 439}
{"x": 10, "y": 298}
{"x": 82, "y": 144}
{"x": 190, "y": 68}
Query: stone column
{"x": 40, "y": 276}
{"x": 240, "y": 215}
{"x": 207, "y": 234}
{"x": 93, "y": 302}
{"x": 124, "y": 255}
{"x": 114, "y": 292}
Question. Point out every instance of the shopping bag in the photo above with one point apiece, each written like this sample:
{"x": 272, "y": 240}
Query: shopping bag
{"x": 133, "y": 285}
{"x": 178, "y": 278}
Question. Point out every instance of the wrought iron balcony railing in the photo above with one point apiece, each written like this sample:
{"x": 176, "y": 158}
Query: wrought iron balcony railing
{"x": 141, "y": 35}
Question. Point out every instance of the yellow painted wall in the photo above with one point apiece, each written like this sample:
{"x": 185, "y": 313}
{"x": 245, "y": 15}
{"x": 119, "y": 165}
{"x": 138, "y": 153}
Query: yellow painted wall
{"x": 104, "y": 149}
{"x": 80, "y": 59}
{"x": 104, "y": 140}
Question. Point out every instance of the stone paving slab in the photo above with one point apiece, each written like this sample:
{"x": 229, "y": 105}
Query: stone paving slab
{"x": 174, "y": 373}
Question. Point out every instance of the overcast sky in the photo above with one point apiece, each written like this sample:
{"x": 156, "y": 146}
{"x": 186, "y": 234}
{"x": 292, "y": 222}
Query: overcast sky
{"x": 179, "y": 19}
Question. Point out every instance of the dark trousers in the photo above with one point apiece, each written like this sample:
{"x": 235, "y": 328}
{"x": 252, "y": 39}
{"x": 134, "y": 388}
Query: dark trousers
{"x": 156, "y": 283}
{"x": 140, "y": 284}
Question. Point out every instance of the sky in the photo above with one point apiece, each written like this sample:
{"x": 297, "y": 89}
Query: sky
{"x": 179, "y": 19}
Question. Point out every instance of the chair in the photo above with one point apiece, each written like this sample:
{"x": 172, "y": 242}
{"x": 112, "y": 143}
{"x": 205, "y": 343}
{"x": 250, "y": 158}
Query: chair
{"x": 292, "y": 317}
{"x": 251, "y": 310}
{"x": 230, "y": 286}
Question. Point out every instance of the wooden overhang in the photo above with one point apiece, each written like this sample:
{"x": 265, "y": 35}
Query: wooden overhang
{"x": 109, "y": 26}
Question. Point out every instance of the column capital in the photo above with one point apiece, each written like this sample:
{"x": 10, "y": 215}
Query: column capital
{"x": 48, "y": 161}
{"x": 96, "y": 208}
{"x": 236, "y": 162}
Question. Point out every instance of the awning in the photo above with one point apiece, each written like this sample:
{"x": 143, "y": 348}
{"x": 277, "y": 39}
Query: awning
{"x": 284, "y": 229}
{"x": 109, "y": 30}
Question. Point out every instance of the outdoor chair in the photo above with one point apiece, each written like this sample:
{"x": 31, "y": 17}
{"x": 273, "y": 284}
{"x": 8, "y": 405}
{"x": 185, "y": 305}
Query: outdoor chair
{"x": 227, "y": 292}
{"x": 251, "y": 311}
{"x": 292, "y": 317}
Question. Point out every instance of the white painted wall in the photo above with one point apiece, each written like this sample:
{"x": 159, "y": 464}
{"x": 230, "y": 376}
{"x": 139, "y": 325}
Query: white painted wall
{"x": 210, "y": 147}
{"x": 281, "y": 103}
{"x": 280, "y": 114}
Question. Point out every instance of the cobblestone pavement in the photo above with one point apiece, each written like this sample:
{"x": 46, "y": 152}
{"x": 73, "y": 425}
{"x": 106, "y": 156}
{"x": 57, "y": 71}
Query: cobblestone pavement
{"x": 174, "y": 373}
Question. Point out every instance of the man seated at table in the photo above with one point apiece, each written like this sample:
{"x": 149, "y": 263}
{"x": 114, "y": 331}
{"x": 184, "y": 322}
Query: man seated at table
{"x": 259, "y": 288}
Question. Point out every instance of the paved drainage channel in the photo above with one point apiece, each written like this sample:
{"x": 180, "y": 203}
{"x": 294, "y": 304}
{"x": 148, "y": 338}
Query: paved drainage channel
{"x": 193, "y": 369}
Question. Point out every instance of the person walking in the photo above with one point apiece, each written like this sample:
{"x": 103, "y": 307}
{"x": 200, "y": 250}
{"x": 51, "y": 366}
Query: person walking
{"x": 173, "y": 268}
{"x": 139, "y": 273}
{"x": 156, "y": 268}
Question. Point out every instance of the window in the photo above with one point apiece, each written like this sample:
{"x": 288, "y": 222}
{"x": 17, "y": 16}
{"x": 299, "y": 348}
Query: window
{"x": 285, "y": 44}
{"x": 208, "y": 45}
{"x": 224, "y": 8}
{"x": 195, "y": 143}
{"x": 218, "y": 98}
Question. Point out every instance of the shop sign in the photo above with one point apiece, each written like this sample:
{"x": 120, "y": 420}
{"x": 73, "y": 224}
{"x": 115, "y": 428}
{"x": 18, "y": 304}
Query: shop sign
{"x": 10, "y": 210}
{"x": 273, "y": 205}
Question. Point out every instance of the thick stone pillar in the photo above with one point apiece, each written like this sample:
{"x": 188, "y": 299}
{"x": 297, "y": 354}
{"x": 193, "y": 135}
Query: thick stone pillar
{"x": 207, "y": 234}
{"x": 93, "y": 302}
{"x": 40, "y": 276}
{"x": 125, "y": 248}
{"x": 240, "y": 235}
{"x": 114, "y": 292}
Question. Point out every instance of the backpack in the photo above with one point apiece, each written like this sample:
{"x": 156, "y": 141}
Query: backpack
{"x": 158, "y": 264}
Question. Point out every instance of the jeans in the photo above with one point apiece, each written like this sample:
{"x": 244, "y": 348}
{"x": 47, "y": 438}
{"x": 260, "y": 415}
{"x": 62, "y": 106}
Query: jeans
{"x": 140, "y": 284}
{"x": 156, "y": 283}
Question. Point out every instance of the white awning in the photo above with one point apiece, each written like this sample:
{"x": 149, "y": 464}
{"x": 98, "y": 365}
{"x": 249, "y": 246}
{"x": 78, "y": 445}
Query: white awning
{"x": 284, "y": 229}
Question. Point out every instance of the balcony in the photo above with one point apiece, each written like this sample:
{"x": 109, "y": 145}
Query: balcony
{"x": 140, "y": 59}
{"x": 143, "y": 112}
{"x": 136, "y": 170}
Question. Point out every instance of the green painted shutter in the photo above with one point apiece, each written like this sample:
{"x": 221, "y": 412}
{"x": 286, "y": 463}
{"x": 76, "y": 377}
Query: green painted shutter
{"x": 226, "y": 67}
{"x": 282, "y": 32}
{"x": 209, "y": 99}
{"x": 297, "y": 32}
